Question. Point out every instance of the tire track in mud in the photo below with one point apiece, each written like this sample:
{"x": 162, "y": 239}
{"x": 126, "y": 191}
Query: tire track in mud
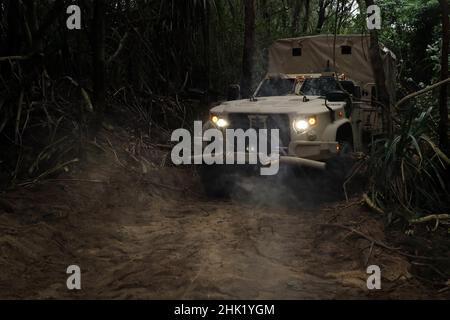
{"x": 133, "y": 242}
{"x": 176, "y": 249}
{"x": 213, "y": 249}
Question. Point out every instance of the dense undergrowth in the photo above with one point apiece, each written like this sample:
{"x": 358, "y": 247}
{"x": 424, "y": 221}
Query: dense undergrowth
{"x": 408, "y": 173}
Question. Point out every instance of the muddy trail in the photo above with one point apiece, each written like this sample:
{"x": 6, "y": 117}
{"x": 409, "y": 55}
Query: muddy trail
{"x": 145, "y": 230}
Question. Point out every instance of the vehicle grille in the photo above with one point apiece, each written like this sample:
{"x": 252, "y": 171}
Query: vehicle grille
{"x": 263, "y": 121}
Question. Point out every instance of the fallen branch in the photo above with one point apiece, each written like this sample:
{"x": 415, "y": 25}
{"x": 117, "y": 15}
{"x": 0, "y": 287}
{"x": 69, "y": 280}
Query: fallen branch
{"x": 115, "y": 153}
{"x": 420, "y": 92}
{"x": 46, "y": 173}
{"x": 75, "y": 180}
{"x": 382, "y": 244}
{"x": 440, "y": 273}
{"x": 370, "y": 254}
{"x": 9, "y": 58}
{"x": 436, "y": 217}
{"x": 119, "y": 48}
{"x": 431, "y": 217}
{"x": 161, "y": 146}
{"x": 371, "y": 204}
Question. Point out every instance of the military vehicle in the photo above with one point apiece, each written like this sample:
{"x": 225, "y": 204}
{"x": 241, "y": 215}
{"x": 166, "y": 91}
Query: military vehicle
{"x": 320, "y": 93}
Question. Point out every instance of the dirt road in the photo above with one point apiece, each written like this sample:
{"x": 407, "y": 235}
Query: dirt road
{"x": 156, "y": 236}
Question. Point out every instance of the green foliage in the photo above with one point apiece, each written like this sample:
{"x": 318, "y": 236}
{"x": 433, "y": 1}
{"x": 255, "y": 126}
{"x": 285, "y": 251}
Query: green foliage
{"x": 407, "y": 171}
{"x": 410, "y": 28}
{"x": 160, "y": 48}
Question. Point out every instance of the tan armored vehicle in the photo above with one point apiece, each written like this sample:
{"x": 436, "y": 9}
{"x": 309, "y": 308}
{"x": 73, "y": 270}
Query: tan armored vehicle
{"x": 324, "y": 108}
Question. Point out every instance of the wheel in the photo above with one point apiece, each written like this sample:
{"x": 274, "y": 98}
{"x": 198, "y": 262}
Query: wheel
{"x": 216, "y": 183}
{"x": 345, "y": 148}
{"x": 340, "y": 166}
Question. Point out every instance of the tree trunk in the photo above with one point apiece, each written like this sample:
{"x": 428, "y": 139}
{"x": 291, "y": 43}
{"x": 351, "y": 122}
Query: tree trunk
{"x": 98, "y": 61}
{"x": 53, "y": 14}
{"x": 266, "y": 18}
{"x": 13, "y": 38}
{"x": 443, "y": 98}
{"x": 380, "y": 77}
{"x": 249, "y": 48}
{"x": 296, "y": 10}
{"x": 306, "y": 17}
{"x": 206, "y": 48}
{"x": 321, "y": 15}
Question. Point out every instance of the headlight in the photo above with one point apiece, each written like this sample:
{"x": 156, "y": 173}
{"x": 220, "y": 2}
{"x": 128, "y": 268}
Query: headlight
{"x": 312, "y": 120}
{"x": 220, "y": 122}
{"x": 300, "y": 125}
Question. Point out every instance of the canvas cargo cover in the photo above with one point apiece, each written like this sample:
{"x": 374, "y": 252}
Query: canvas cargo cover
{"x": 310, "y": 55}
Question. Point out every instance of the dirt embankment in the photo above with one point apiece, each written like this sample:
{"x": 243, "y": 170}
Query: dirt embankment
{"x": 140, "y": 229}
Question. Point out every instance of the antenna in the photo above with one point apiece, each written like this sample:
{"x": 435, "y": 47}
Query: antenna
{"x": 335, "y": 34}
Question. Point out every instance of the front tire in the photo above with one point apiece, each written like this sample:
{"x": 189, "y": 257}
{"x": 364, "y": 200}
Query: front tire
{"x": 340, "y": 166}
{"x": 216, "y": 182}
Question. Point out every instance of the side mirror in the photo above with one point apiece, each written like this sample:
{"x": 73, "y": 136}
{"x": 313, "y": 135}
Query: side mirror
{"x": 335, "y": 96}
{"x": 348, "y": 87}
{"x": 233, "y": 92}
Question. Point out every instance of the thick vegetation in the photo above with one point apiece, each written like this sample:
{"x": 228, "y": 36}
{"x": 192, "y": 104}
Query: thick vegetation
{"x": 161, "y": 63}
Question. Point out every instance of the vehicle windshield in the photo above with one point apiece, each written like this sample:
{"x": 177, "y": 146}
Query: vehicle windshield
{"x": 276, "y": 87}
{"x": 319, "y": 86}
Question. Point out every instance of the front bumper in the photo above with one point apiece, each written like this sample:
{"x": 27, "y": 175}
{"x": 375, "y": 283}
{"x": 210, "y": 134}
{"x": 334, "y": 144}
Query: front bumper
{"x": 261, "y": 161}
{"x": 314, "y": 150}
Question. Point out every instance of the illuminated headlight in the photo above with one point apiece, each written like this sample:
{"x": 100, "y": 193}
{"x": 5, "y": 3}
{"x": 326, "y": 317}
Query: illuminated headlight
{"x": 312, "y": 120}
{"x": 301, "y": 125}
{"x": 220, "y": 122}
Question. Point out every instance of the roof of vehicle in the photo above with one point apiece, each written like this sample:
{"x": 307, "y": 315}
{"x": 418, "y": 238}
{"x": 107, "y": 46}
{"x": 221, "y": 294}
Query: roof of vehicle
{"x": 303, "y": 76}
{"x": 314, "y": 54}
{"x": 292, "y": 75}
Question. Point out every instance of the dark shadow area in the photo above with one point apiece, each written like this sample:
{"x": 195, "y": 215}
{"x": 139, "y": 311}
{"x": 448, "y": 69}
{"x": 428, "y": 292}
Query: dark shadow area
{"x": 294, "y": 188}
